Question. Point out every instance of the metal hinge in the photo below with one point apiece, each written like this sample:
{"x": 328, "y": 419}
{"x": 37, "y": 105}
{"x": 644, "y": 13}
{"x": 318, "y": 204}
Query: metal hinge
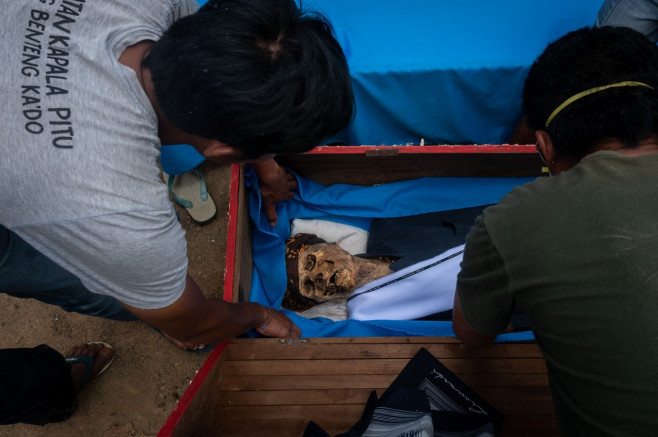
{"x": 293, "y": 340}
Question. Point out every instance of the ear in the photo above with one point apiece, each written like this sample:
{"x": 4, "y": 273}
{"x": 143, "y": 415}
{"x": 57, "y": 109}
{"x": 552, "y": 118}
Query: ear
{"x": 217, "y": 151}
{"x": 545, "y": 144}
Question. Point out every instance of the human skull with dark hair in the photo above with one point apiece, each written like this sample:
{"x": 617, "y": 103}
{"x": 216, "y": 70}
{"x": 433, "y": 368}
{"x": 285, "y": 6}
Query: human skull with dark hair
{"x": 320, "y": 272}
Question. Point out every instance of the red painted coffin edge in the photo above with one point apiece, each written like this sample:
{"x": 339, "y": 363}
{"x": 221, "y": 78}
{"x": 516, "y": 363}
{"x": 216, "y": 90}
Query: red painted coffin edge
{"x": 445, "y": 149}
{"x": 184, "y": 402}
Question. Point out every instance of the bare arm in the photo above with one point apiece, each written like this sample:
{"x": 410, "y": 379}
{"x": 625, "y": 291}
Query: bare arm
{"x": 197, "y": 320}
{"x": 464, "y": 331}
{"x": 275, "y": 185}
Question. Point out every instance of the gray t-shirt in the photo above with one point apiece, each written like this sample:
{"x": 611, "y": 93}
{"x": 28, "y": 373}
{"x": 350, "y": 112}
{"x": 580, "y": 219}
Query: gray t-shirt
{"x": 80, "y": 151}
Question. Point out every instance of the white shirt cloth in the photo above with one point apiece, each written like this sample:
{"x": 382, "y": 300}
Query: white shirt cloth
{"x": 422, "y": 289}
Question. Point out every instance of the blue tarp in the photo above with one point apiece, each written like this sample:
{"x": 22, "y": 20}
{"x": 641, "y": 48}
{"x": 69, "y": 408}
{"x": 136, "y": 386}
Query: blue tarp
{"x": 357, "y": 205}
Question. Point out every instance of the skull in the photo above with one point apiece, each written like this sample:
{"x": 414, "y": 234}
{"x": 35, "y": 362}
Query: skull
{"x": 326, "y": 272}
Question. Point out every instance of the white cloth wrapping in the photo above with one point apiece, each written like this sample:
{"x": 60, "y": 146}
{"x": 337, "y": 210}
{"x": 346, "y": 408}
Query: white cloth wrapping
{"x": 420, "y": 290}
{"x": 352, "y": 239}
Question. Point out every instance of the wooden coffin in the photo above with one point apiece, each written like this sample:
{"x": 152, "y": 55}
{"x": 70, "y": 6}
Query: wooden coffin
{"x": 273, "y": 387}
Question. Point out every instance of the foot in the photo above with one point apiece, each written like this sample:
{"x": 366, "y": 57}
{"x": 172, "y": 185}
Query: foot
{"x": 101, "y": 355}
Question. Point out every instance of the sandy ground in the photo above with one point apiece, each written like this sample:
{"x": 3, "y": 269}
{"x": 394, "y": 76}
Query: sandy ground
{"x": 137, "y": 394}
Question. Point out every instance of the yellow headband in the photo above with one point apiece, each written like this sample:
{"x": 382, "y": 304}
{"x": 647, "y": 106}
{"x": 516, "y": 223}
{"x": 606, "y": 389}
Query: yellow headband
{"x": 572, "y": 99}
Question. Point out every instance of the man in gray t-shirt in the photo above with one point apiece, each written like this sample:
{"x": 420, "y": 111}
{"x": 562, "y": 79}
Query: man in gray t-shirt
{"x": 91, "y": 92}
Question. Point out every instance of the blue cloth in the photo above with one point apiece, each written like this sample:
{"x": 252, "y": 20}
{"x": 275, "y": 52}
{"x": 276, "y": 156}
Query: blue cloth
{"x": 449, "y": 71}
{"x": 179, "y": 158}
{"x": 357, "y": 205}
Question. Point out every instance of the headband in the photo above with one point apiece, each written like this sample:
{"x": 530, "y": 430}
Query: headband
{"x": 580, "y": 95}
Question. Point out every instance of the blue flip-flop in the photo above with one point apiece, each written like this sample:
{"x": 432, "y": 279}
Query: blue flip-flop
{"x": 189, "y": 190}
{"x": 89, "y": 364}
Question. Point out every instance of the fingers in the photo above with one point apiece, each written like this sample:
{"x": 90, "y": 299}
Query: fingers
{"x": 270, "y": 213}
{"x": 295, "y": 332}
{"x": 277, "y": 189}
{"x": 292, "y": 183}
{"x": 280, "y": 326}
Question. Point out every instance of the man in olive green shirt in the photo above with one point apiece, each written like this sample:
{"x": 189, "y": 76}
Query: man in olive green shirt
{"x": 578, "y": 252}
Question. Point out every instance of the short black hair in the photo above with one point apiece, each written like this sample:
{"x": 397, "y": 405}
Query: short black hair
{"x": 585, "y": 59}
{"x": 259, "y": 75}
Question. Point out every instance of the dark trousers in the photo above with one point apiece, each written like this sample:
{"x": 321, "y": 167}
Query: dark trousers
{"x": 35, "y": 386}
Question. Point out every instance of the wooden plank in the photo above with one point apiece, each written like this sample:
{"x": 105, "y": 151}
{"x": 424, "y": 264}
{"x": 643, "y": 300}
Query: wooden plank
{"x": 269, "y": 414}
{"x": 285, "y": 428}
{"x": 522, "y": 426}
{"x": 351, "y": 412}
{"x": 326, "y": 367}
{"x": 244, "y": 250}
{"x": 314, "y": 350}
{"x": 535, "y": 426}
{"x": 313, "y": 382}
{"x": 294, "y": 397}
{"x": 358, "y": 396}
{"x": 423, "y": 341}
{"x": 376, "y": 168}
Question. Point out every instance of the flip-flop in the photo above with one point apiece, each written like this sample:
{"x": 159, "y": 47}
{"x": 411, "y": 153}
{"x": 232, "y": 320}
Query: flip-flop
{"x": 89, "y": 364}
{"x": 190, "y": 191}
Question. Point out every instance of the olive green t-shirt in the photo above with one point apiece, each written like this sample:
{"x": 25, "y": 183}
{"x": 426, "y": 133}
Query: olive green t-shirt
{"x": 578, "y": 253}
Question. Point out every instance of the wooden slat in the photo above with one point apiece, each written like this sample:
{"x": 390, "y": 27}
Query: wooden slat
{"x": 288, "y": 428}
{"x": 267, "y": 414}
{"x": 530, "y": 426}
{"x": 314, "y": 350}
{"x": 329, "y": 367}
{"x": 351, "y": 412}
{"x": 523, "y": 426}
{"x": 357, "y": 396}
{"x": 313, "y": 382}
{"x": 376, "y": 168}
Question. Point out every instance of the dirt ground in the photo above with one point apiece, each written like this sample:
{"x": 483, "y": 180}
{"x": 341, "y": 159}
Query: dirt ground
{"x": 137, "y": 394}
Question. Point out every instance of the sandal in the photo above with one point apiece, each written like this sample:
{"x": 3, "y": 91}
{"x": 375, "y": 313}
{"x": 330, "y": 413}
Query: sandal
{"x": 88, "y": 361}
{"x": 190, "y": 191}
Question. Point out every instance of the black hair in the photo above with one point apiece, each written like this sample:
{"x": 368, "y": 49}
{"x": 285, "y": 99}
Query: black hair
{"x": 259, "y": 75}
{"x": 585, "y": 59}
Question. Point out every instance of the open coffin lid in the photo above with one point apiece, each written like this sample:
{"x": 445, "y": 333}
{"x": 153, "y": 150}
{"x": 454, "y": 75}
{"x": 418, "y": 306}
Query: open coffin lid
{"x": 258, "y": 385}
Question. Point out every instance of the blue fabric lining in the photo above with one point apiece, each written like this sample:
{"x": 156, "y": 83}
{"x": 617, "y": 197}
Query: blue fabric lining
{"x": 357, "y": 205}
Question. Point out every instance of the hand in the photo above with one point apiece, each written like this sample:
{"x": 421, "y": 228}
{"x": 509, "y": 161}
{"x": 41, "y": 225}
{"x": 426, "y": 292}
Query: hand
{"x": 275, "y": 184}
{"x": 279, "y": 325}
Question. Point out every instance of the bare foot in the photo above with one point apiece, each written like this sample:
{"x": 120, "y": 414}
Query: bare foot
{"x": 101, "y": 354}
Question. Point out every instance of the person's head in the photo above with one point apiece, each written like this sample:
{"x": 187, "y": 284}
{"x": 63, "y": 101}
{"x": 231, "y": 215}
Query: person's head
{"x": 259, "y": 75}
{"x": 564, "y": 101}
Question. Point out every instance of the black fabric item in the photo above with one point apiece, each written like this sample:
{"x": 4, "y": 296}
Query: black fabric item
{"x": 426, "y": 385}
{"x": 456, "y": 409}
{"x": 313, "y": 430}
{"x": 404, "y": 412}
{"x": 419, "y": 237}
{"x": 35, "y": 386}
